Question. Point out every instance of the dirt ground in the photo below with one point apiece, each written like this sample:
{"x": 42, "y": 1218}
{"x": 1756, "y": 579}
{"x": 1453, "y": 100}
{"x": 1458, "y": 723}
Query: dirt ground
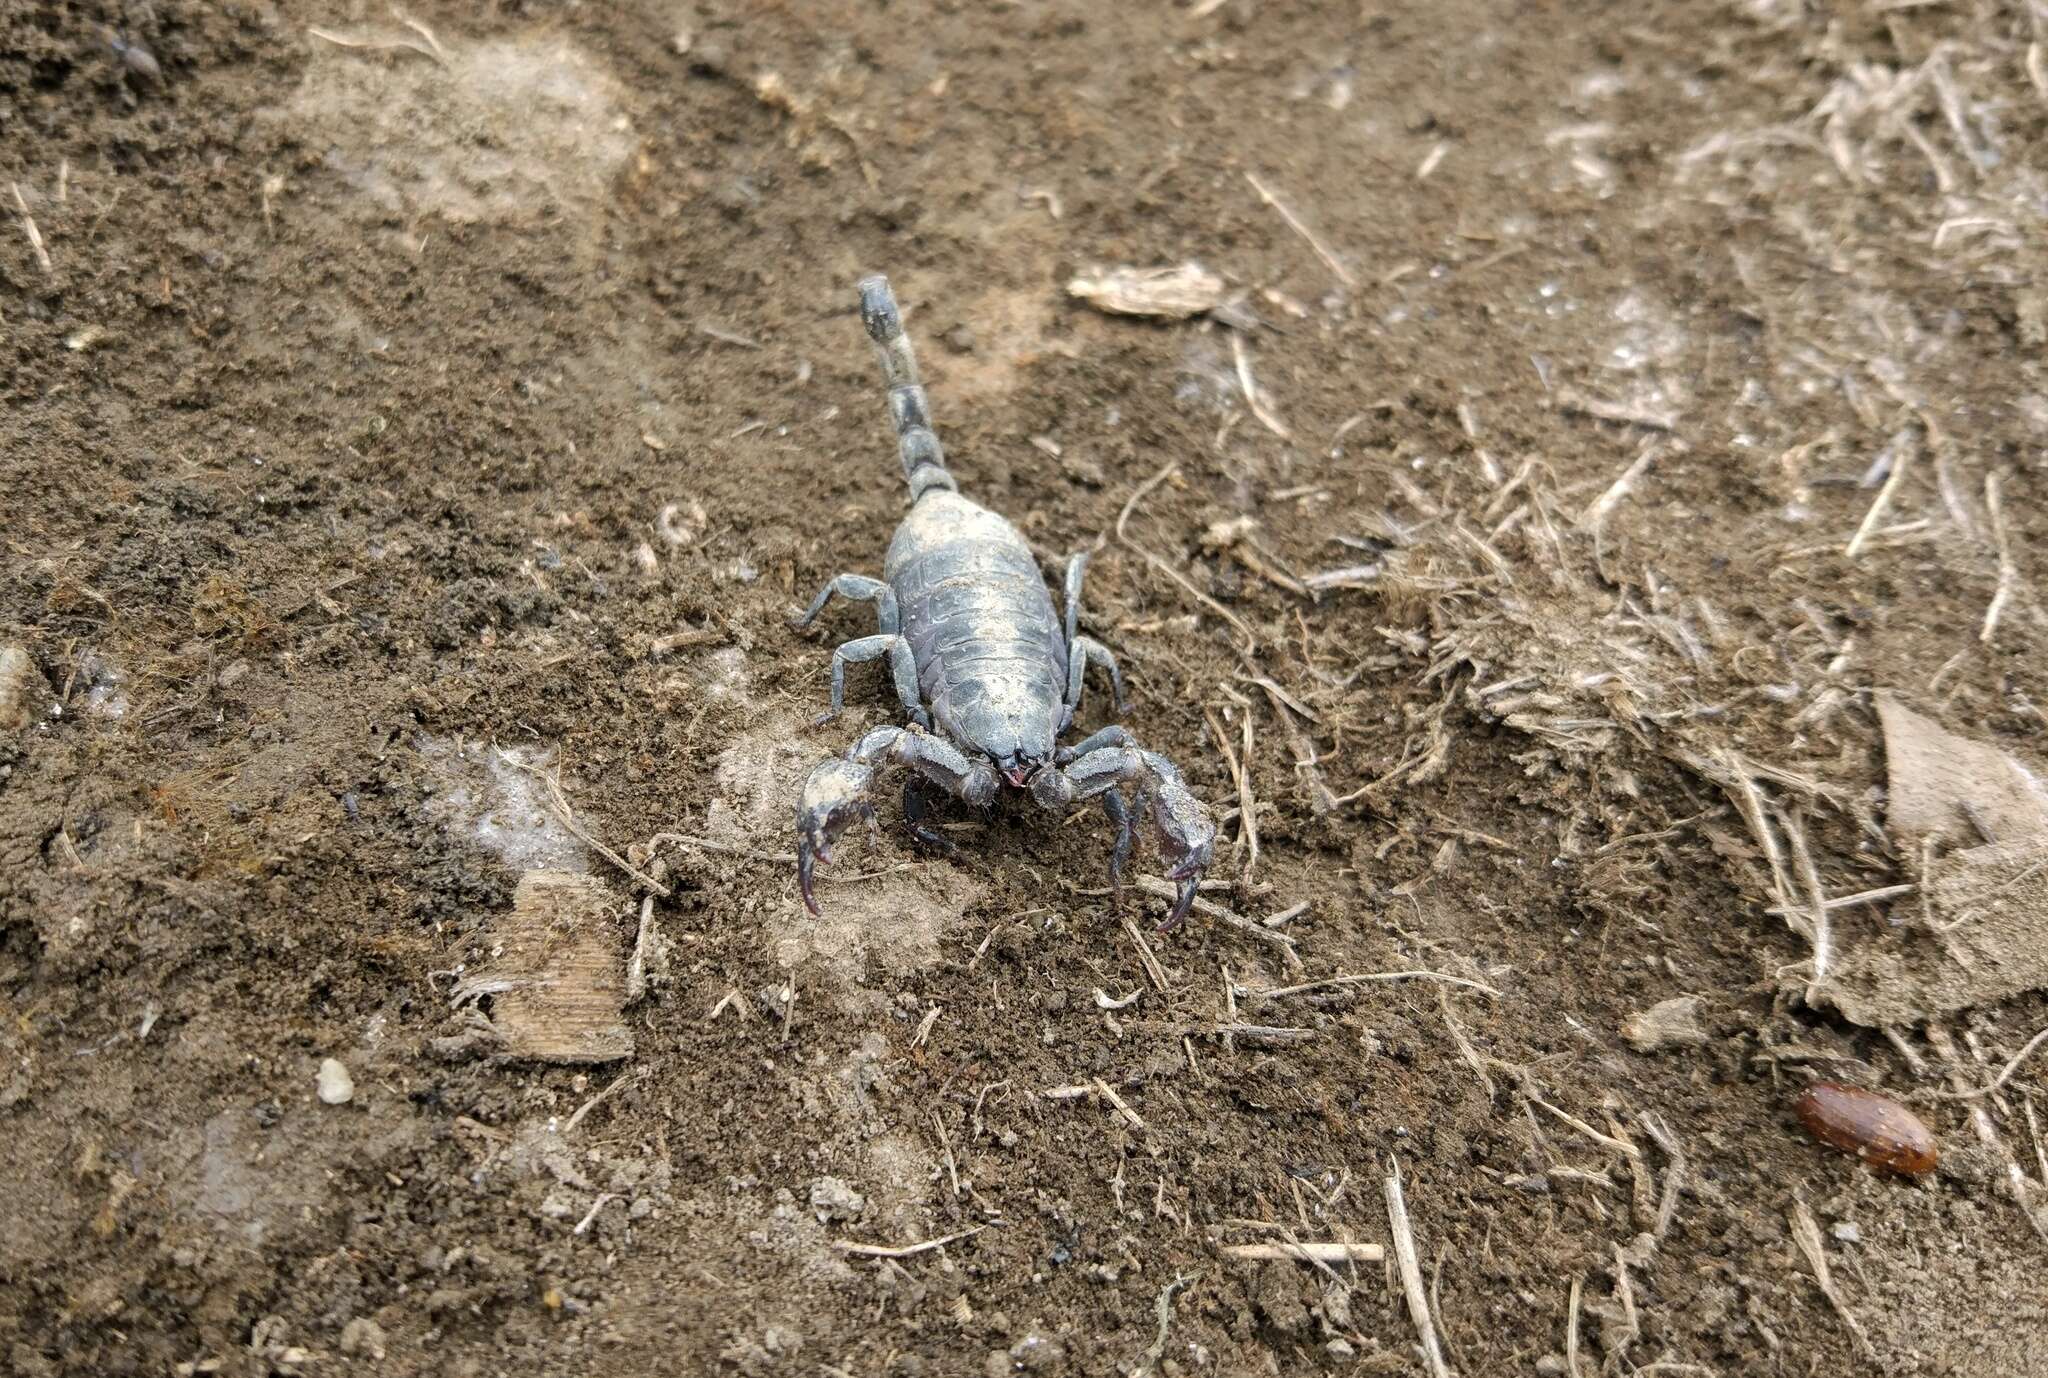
{"x": 409, "y": 415}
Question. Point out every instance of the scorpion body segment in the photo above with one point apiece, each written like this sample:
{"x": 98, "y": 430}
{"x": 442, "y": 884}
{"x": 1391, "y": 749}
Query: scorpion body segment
{"x": 988, "y": 674}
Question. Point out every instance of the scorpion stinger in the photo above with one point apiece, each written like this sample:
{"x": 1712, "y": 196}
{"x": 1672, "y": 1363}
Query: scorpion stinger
{"x": 986, "y": 672}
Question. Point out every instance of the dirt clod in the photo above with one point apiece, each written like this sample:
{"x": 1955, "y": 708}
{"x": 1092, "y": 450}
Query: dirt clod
{"x": 1673, "y": 1023}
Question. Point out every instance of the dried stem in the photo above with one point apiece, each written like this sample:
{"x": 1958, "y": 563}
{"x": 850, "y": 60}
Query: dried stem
{"x": 1123, "y": 538}
{"x": 1329, "y": 259}
{"x": 1411, "y": 1275}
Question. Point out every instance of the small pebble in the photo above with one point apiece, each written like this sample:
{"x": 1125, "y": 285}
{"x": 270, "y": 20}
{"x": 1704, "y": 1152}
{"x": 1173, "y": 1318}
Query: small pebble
{"x": 336, "y": 1086}
{"x": 1037, "y": 1352}
{"x": 833, "y": 1199}
{"x": 363, "y": 1338}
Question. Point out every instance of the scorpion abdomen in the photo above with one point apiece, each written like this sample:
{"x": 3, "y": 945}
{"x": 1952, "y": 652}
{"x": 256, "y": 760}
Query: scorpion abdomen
{"x": 991, "y": 657}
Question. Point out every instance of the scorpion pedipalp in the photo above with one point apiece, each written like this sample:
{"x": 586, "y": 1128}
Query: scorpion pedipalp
{"x": 835, "y": 794}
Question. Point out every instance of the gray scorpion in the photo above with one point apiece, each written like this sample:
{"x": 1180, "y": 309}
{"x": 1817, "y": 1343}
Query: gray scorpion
{"x": 967, "y": 626}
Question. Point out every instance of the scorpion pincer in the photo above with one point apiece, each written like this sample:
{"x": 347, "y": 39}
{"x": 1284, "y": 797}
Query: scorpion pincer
{"x": 986, "y": 672}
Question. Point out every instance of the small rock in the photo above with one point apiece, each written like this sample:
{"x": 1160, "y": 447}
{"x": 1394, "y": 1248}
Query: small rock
{"x": 363, "y": 1338}
{"x": 1846, "y": 1231}
{"x": 832, "y": 1200}
{"x": 709, "y": 55}
{"x": 1037, "y": 1353}
{"x": 1083, "y": 470}
{"x": 1673, "y": 1023}
{"x": 1550, "y": 1365}
{"x": 1340, "y": 1349}
{"x": 336, "y": 1086}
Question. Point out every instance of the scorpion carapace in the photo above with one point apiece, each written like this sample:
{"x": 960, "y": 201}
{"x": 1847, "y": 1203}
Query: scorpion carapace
{"x": 988, "y": 675}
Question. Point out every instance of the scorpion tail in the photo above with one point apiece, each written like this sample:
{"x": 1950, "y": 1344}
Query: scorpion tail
{"x": 924, "y": 462}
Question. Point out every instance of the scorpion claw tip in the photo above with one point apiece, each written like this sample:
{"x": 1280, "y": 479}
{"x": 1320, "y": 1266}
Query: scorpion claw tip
{"x": 1182, "y": 903}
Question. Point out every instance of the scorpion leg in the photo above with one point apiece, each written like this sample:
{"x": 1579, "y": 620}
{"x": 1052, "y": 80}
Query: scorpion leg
{"x": 901, "y": 663}
{"x": 916, "y": 808}
{"x": 1120, "y": 815}
{"x": 840, "y": 790}
{"x": 1082, "y": 652}
{"x": 1186, "y": 836}
{"x": 860, "y": 589}
{"x": 1077, "y": 567}
{"x": 1095, "y": 741}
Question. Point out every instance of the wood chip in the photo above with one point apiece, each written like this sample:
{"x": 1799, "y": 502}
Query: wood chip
{"x": 1306, "y": 1252}
{"x": 1171, "y": 294}
{"x": 559, "y": 983}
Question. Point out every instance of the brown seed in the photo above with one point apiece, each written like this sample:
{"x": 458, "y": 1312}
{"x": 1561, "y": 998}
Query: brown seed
{"x": 1875, "y": 1128}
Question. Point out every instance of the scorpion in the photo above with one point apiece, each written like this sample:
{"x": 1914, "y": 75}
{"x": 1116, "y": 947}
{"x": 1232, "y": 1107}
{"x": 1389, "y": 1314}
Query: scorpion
{"x": 988, "y": 675}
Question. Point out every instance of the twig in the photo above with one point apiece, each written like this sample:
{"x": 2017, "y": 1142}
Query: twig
{"x": 1251, "y": 389}
{"x": 2003, "y": 1077}
{"x": 1571, "y": 400}
{"x": 1246, "y": 816}
{"x": 1292, "y": 911}
{"x": 726, "y": 336}
{"x": 1877, "y": 896}
{"x": 2034, "y": 1129}
{"x": 1329, "y": 259}
{"x": 1366, "y": 977}
{"x": 422, "y": 30}
{"x": 1160, "y": 889}
{"x": 35, "y": 236}
{"x": 1164, "y": 1309}
{"x": 1305, "y": 1252}
{"x": 903, "y": 1250}
{"x": 705, "y": 844}
{"x": 1155, "y": 973}
{"x": 1465, "y": 1048}
{"x": 560, "y": 803}
{"x": 1749, "y": 803}
{"x": 1605, "y": 1140}
{"x": 2008, "y": 567}
{"x": 1411, "y": 1275}
{"x": 946, "y": 1143}
{"x": 1674, "y": 1172}
{"x": 1123, "y": 520}
{"x": 1806, "y": 1234}
{"x": 379, "y": 44}
{"x": 1263, "y": 1033}
{"x": 604, "y": 1199}
{"x": 1903, "y": 462}
{"x": 1822, "y": 946}
{"x": 1108, "y": 1093}
{"x": 586, "y": 1107}
{"x": 1571, "y": 1330}
{"x": 1248, "y": 805}
{"x": 1595, "y": 515}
